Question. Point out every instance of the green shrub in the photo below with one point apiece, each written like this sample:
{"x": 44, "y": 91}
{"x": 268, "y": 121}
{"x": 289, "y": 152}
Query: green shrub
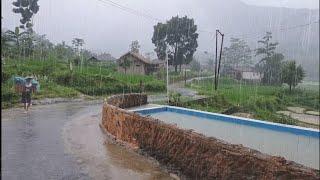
{"x": 8, "y": 95}
{"x": 155, "y": 86}
{"x": 273, "y": 117}
{"x": 63, "y": 78}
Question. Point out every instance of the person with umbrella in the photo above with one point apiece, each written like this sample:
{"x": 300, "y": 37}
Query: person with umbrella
{"x": 26, "y": 93}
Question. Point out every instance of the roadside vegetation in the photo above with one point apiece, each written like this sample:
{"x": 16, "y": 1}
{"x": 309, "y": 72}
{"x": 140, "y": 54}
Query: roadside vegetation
{"x": 56, "y": 80}
{"x": 278, "y": 87}
{"x": 63, "y": 70}
{"x": 262, "y": 101}
{"x": 71, "y": 70}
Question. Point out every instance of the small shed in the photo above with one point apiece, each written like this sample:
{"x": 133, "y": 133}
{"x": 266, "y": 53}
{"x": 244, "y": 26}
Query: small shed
{"x": 246, "y": 73}
{"x": 135, "y": 63}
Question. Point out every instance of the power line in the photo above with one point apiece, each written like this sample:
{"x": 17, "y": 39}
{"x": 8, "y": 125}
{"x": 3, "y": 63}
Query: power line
{"x": 130, "y": 10}
{"x": 150, "y": 17}
{"x": 141, "y": 14}
{"x": 251, "y": 35}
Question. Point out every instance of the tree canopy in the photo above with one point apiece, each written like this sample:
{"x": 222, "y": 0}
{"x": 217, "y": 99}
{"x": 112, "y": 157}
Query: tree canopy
{"x": 27, "y": 9}
{"x": 237, "y": 54}
{"x": 177, "y": 38}
{"x": 270, "y": 63}
{"x": 292, "y": 74}
{"x": 134, "y": 46}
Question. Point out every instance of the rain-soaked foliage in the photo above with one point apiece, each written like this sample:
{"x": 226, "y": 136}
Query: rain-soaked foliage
{"x": 247, "y": 58}
{"x": 273, "y": 54}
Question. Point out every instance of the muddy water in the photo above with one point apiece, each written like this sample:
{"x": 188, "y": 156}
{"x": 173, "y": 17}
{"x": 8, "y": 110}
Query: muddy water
{"x": 64, "y": 141}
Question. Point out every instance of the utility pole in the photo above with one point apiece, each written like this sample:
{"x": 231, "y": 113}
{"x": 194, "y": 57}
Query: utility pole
{"x": 185, "y": 76}
{"x": 167, "y": 78}
{"x": 217, "y": 66}
{"x": 219, "y": 60}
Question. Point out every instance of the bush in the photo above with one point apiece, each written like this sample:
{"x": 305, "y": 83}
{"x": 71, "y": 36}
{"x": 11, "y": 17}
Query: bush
{"x": 8, "y": 96}
{"x": 273, "y": 117}
{"x": 63, "y": 78}
{"x": 266, "y": 103}
{"x": 155, "y": 86}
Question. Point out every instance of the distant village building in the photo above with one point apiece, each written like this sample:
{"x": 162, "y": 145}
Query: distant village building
{"x": 245, "y": 73}
{"x": 106, "y": 57}
{"x": 102, "y": 57}
{"x": 135, "y": 63}
{"x": 93, "y": 59}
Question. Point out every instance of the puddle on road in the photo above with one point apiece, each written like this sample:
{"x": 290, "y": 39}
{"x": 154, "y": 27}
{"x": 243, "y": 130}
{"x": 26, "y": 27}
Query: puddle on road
{"x": 103, "y": 160}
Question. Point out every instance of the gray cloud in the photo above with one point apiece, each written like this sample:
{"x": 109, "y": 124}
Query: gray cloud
{"x": 108, "y": 29}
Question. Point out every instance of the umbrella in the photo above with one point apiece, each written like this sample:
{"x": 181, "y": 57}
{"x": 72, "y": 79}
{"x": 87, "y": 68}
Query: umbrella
{"x": 36, "y": 84}
{"x": 20, "y": 81}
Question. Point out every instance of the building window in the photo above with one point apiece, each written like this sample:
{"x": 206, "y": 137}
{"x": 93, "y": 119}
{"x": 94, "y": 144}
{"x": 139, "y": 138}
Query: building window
{"x": 138, "y": 65}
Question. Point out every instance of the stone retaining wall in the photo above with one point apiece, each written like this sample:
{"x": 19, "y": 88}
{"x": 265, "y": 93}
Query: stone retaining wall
{"x": 128, "y": 100}
{"x": 194, "y": 155}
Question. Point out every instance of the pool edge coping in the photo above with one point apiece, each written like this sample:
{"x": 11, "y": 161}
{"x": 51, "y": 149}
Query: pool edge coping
{"x": 310, "y": 132}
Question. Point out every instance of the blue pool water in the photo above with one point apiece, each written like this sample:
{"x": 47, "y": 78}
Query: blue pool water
{"x": 294, "y": 143}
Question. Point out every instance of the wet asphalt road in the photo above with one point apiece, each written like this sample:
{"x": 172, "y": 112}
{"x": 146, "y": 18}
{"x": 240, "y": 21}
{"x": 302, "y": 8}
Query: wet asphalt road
{"x": 32, "y": 147}
{"x": 63, "y": 141}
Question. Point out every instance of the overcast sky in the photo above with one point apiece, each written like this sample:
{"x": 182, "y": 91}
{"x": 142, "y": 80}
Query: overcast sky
{"x": 108, "y": 29}
{"x": 312, "y": 4}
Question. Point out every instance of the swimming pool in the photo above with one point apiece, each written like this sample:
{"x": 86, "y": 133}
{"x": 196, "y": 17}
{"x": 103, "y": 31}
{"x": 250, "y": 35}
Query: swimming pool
{"x": 294, "y": 143}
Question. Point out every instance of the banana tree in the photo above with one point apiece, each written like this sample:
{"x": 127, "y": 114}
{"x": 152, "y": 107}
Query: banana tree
{"x": 16, "y": 37}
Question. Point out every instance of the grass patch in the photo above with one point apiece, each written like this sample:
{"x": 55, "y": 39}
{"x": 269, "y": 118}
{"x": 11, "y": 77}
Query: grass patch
{"x": 261, "y": 101}
{"x": 56, "y": 80}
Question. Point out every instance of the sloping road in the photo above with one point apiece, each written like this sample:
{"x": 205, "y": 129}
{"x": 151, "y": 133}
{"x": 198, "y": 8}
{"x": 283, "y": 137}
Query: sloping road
{"x": 179, "y": 88}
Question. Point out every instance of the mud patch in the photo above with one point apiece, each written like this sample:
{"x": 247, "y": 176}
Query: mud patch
{"x": 316, "y": 113}
{"x": 306, "y": 118}
{"x": 298, "y": 110}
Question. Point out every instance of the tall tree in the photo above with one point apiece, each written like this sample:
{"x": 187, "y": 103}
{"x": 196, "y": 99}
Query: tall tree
{"x": 237, "y": 54}
{"x": 134, "y": 46}
{"x": 6, "y": 44}
{"x": 78, "y": 43}
{"x": 270, "y": 63}
{"x": 268, "y": 48}
{"x": 292, "y": 74}
{"x": 27, "y": 9}
{"x": 42, "y": 46}
{"x": 177, "y": 38}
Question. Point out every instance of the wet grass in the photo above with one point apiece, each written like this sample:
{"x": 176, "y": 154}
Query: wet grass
{"x": 56, "y": 80}
{"x": 261, "y": 101}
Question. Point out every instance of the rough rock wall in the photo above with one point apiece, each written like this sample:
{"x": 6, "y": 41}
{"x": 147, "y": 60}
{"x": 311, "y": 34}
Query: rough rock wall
{"x": 128, "y": 100}
{"x": 194, "y": 155}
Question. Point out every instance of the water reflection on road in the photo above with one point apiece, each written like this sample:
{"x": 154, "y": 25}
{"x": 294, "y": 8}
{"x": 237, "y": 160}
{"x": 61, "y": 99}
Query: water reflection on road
{"x": 64, "y": 141}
